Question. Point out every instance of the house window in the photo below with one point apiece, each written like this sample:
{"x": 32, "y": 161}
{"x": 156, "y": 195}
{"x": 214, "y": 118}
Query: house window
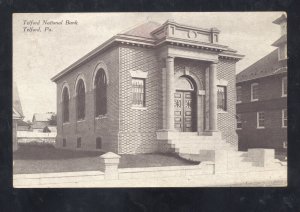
{"x": 284, "y": 87}
{"x": 284, "y": 118}
{"x": 100, "y": 93}
{"x": 78, "y": 142}
{"x": 238, "y": 94}
{"x": 138, "y": 92}
{"x": 64, "y": 144}
{"x": 98, "y": 143}
{"x": 222, "y": 98}
{"x": 65, "y": 104}
{"x": 260, "y": 120}
{"x": 80, "y": 100}
{"x": 238, "y": 121}
{"x": 285, "y": 145}
{"x": 254, "y": 92}
{"x": 282, "y": 52}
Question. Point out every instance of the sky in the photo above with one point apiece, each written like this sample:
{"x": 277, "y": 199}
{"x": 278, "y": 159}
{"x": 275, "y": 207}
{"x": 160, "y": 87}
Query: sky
{"x": 38, "y": 56}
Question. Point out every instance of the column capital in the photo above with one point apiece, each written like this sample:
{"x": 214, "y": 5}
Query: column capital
{"x": 215, "y": 62}
{"x": 170, "y": 58}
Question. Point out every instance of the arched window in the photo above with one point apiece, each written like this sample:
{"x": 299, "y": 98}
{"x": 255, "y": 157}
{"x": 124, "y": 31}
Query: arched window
{"x": 80, "y": 100}
{"x": 100, "y": 93}
{"x": 65, "y": 105}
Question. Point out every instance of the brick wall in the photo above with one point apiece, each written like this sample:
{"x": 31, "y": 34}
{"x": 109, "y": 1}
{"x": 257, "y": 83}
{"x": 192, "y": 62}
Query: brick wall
{"x": 138, "y": 126}
{"x": 227, "y": 120}
{"x": 269, "y": 88}
{"x": 91, "y": 128}
{"x": 270, "y": 102}
{"x": 272, "y": 136}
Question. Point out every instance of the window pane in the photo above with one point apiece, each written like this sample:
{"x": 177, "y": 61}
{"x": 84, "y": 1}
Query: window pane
{"x": 138, "y": 92}
{"x": 221, "y": 93}
{"x": 284, "y": 84}
{"x": 239, "y": 121}
{"x": 80, "y": 100}
{"x": 261, "y": 119}
{"x": 284, "y": 118}
{"x": 100, "y": 93}
{"x": 65, "y": 103}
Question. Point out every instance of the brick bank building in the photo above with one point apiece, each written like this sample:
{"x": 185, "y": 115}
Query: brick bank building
{"x": 146, "y": 87}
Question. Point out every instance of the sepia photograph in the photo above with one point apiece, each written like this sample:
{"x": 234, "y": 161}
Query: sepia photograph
{"x": 160, "y": 99}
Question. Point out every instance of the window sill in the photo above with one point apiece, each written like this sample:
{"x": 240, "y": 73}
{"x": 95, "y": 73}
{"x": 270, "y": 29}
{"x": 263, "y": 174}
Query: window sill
{"x": 284, "y": 127}
{"x": 101, "y": 117}
{"x": 138, "y": 108}
{"x": 238, "y": 102}
{"x": 259, "y": 128}
{"x": 254, "y": 100}
{"x": 222, "y": 111}
{"x": 66, "y": 123}
{"x": 81, "y": 120}
{"x": 283, "y": 95}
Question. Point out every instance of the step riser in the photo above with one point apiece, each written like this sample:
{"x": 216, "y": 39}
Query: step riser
{"x": 195, "y": 138}
{"x": 203, "y": 147}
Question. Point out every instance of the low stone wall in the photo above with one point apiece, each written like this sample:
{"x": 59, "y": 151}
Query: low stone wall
{"x": 35, "y": 138}
{"x": 204, "y": 174}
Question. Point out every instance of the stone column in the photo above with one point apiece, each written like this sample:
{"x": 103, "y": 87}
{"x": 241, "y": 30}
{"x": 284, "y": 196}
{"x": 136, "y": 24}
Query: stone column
{"x": 213, "y": 97}
{"x": 170, "y": 93}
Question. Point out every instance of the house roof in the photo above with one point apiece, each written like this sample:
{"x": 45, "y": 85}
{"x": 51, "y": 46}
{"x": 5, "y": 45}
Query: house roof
{"x": 42, "y": 117}
{"x": 266, "y": 66}
{"x": 282, "y": 39}
{"x": 23, "y": 123}
{"x": 281, "y": 19}
{"x": 17, "y": 107}
{"x": 143, "y": 30}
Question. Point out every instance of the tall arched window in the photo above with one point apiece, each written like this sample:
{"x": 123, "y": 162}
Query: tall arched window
{"x": 100, "y": 93}
{"x": 80, "y": 100}
{"x": 65, "y": 105}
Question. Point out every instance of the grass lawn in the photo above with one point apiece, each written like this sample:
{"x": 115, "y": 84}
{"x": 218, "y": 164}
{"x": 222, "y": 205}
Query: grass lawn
{"x": 49, "y": 159}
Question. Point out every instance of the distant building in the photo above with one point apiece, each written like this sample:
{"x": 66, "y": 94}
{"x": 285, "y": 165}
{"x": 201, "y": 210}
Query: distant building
{"x": 41, "y": 120}
{"x": 17, "y": 114}
{"x": 23, "y": 126}
{"x": 262, "y": 99}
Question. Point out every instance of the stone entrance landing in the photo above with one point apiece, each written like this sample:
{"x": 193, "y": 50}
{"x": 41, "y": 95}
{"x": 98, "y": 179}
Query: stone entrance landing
{"x": 209, "y": 146}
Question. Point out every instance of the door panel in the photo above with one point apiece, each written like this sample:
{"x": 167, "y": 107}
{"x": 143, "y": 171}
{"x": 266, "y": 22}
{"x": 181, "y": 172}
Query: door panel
{"x": 178, "y": 111}
{"x": 183, "y": 109}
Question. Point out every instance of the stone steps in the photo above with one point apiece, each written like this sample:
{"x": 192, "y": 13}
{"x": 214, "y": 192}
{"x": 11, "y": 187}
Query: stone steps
{"x": 199, "y": 148}
{"x": 195, "y": 149}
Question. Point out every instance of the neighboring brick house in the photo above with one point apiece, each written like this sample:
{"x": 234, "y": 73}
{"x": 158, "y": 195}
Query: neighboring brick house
{"x": 134, "y": 92}
{"x": 41, "y": 120}
{"x": 262, "y": 99}
{"x": 17, "y": 114}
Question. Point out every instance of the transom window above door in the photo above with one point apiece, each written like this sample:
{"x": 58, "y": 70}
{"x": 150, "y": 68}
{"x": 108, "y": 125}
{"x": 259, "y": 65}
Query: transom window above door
{"x": 183, "y": 83}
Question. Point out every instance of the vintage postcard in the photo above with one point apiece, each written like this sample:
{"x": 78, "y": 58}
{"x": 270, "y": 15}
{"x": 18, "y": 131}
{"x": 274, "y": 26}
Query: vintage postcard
{"x": 150, "y": 99}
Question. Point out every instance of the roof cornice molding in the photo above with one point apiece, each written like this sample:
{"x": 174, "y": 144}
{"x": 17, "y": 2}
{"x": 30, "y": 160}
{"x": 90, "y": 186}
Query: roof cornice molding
{"x": 147, "y": 42}
{"x": 171, "y": 22}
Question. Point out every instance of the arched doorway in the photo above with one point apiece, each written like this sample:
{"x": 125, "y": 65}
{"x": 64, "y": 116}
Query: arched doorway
{"x": 185, "y": 105}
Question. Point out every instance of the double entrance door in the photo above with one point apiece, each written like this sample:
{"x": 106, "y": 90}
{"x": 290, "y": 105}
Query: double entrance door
{"x": 184, "y": 109}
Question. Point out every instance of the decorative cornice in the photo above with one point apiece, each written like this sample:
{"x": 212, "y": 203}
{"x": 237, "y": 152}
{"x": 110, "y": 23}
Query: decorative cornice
{"x": 152, "y": 43}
